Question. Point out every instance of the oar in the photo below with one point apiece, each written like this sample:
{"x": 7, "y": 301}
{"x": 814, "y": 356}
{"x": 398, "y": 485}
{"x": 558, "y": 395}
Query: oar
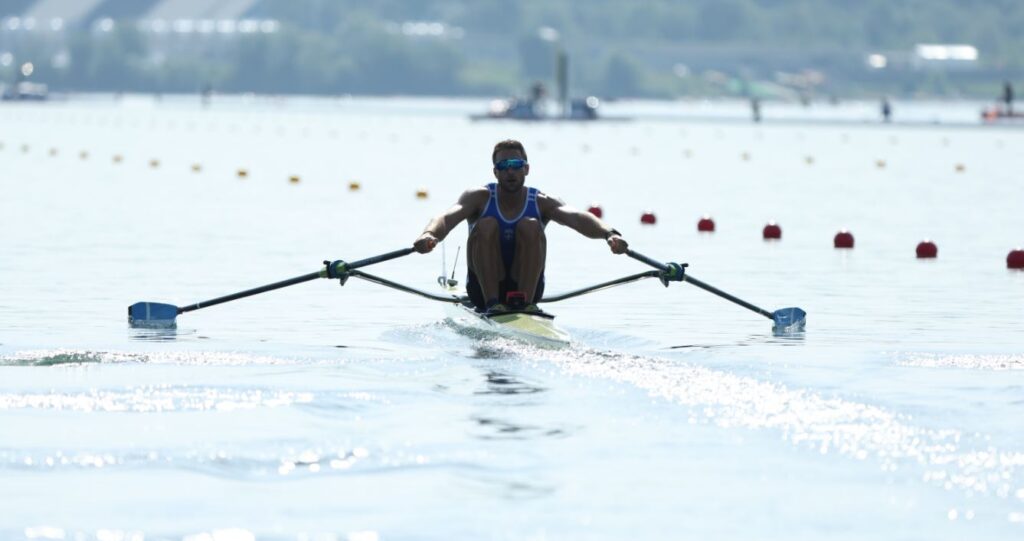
{"x": 156, "y": 314}
{"x": 785, "y": 319}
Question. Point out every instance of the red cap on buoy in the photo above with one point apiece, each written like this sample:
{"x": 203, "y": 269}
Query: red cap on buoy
{"x": 927, "y": 249}
{"x": 843, "y": 239}
{"x": 772, "y": 231}
{"x": 648, "y": 218}
{"x": 595, "y": 209}
{"x": 706, "y": 224}
{"x": 1015, "y": 259}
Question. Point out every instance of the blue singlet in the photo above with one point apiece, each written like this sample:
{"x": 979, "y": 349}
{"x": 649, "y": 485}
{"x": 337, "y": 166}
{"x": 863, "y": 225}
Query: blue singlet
{"x": 507, "y": 228}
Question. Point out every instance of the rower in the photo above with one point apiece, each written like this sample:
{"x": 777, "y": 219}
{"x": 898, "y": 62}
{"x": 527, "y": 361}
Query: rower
{"x": 507, "y": 248}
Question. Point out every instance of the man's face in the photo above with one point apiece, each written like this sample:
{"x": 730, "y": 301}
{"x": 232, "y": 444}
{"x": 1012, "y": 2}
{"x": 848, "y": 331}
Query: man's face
{"x": 510, "y": 180}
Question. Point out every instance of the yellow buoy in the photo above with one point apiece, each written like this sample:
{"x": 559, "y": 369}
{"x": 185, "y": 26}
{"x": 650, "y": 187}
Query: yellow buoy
{"x": 53, "y": 152}
{"x": 24, "y": 148}
{"x": 84, "y": 155}
{"x": 117, "y": 158}
{"x": 421, "y": 193}
{"x": 242, "y": 173}
{"x": 809, "y": 160}
{"x": 880, "y": 164}
{"x": 960, "y": 168}
{"x": 154, "y": 163}
{"x": 196, "y": 168}
{"x": 354, "y": 186}
{"x": 745, "y": 156}
{"x": 294, "y": 179}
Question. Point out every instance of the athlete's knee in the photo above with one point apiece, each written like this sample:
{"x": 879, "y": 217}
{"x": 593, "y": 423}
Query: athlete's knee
{"x": 529, "y": 229}
{"x": 486, "y": 227}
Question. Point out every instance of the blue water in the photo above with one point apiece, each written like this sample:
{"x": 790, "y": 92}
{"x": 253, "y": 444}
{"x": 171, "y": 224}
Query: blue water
{"x": 361, "y": 413}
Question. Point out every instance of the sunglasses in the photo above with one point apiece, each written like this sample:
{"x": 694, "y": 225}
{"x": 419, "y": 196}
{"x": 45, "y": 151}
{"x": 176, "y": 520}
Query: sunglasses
{"x": 513, "y": 163}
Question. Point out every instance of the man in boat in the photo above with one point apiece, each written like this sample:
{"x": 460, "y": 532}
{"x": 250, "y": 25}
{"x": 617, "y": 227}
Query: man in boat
{"x": 507, "y": 248}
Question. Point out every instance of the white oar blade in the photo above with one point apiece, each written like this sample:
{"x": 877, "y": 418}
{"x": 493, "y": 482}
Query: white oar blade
{"x": 152, "y": 315}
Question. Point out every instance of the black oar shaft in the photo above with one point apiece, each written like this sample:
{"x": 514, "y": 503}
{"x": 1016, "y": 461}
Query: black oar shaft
{"x": 250, "y": 292}
{"x": 379, "y": 258}
{"x": 706, "y": 287}
{"x": 297, "y": 280}
{"x": 711, "y": 289}
{"x": 642, "y": 258}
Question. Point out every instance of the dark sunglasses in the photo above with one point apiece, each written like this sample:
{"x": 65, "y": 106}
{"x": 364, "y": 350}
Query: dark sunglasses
{"x": 513, "y": 163}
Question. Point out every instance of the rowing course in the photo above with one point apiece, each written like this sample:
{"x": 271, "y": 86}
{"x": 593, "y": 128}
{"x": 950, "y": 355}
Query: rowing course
{"x": 356, "y": 411}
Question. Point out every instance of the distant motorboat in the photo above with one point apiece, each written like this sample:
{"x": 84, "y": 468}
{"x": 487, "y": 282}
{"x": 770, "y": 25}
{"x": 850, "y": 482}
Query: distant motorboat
{"x": 580, "y": 109}
{"x": 998, "y": 114}
{"x": 25, "y": 91}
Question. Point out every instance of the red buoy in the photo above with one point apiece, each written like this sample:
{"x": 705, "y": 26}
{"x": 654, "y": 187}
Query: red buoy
{"x": 648, "y": 218}
{"x": 843, "y": 239}
{"x": 927, "y": 249}
{"x": 706, "y": 224}
{"x": 1015, "y": 259}
{"x": 772, "y": 231}
{"x": 595, "y": 209}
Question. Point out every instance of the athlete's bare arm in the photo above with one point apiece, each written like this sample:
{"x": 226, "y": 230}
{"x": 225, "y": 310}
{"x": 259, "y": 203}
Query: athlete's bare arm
{"x": 584, "y": 222}
{"x": 469, "y": 206}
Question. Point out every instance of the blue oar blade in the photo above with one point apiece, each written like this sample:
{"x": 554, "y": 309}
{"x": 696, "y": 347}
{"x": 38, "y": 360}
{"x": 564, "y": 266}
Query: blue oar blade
{"x": 152, "y": 315}
{"x": 789, "y": 320}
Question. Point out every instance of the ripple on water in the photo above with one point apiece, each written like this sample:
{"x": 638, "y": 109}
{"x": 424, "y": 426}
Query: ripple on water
{"x": 1012, "y": 361}
{"x": 52, "y": 357}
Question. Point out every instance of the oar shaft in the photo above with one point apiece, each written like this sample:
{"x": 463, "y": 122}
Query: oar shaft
{"x": 641, "y": 257}
{"x": 706, "y": 287}
{"x": 251, "y": 292}
{"x": 297, "y": 280}
{"x": 711, "y": 289}
{"x": 379, "y": 258}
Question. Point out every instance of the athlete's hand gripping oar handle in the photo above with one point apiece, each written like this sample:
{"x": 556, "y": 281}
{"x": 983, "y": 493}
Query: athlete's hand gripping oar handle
{"x": 155, "y": 314}
{"x": 785, "y": 318}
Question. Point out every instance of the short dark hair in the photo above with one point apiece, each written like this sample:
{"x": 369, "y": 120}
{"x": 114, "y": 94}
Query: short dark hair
{"x": 508, "y": 144}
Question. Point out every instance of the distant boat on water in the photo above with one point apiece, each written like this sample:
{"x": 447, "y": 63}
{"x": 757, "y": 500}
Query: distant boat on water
{"x": 998, "y": 114}
{"x": 530, "y": 109}
{"x": 24, "y": 91}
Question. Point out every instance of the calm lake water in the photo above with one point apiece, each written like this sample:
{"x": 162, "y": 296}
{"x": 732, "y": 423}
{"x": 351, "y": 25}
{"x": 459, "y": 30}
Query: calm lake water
{"x": 360, "y": 413}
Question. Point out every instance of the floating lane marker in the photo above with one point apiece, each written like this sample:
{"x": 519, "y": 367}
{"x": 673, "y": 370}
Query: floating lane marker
{"x": 706, "y": 224}
{"x": 843, "y": 239}
{"x": 596, "y": 210}
{"x": 648, "y": 218}
{"x": 242, "y": 173}
{"x": 354, "y": 186}
{"x": 927, "y": 249}
{"x": 771, "y": 231}
{"x": 1015, "y": 259}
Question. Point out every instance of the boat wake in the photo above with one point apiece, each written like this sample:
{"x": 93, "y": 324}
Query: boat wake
{"x": 947, "y": 458}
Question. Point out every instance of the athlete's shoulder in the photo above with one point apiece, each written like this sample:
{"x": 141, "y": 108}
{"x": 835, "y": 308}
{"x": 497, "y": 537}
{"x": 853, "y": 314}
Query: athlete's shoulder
{"x": 548, "y": 199}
